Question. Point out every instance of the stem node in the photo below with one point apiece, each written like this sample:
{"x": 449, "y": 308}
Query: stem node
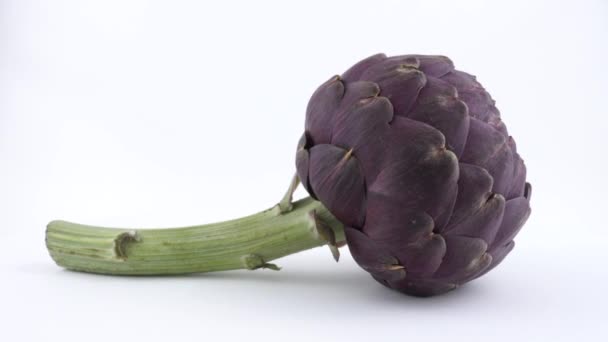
{"x": 123, "y": 241}
{"x": 254, "y": 261}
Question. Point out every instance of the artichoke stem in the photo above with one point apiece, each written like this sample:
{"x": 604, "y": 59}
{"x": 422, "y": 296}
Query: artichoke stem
{"x": 245, "y": 243}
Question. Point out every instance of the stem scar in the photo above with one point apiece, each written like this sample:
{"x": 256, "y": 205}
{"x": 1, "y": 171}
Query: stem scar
{"x": 123, "y": 241}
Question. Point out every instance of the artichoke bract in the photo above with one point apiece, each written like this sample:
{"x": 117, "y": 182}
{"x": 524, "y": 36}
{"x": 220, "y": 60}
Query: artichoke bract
{"x": 407, "y": 162}
{"x": 412, "y": 156}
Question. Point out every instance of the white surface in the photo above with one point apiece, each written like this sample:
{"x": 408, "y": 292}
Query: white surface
{"x": 129, "y": 113}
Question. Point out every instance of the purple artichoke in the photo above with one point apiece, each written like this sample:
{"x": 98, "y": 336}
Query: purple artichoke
{"x": 406, "y": 161}
{"x": 413, "y": 158}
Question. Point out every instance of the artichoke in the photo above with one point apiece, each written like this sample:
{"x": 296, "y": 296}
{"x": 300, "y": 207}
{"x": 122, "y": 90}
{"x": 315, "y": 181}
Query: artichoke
{"x": 406, "y": 161}
{"x": 413, "y": 157}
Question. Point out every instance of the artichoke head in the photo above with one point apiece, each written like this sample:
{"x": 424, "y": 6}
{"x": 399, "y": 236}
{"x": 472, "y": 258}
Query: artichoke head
{"x": 413, "y": 158}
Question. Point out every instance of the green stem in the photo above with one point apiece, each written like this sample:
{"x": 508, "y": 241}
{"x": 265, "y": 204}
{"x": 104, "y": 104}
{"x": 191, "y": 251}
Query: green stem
{"x": 245, "y": 243}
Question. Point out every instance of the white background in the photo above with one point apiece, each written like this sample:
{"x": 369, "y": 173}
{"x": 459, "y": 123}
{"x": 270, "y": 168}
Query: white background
{"x": 135, "y": 113}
